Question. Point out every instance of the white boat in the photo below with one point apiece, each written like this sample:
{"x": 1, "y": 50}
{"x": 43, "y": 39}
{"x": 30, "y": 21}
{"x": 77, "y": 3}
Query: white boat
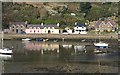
{"x": 6, "y": 51}
{"x": 3, "y": 50}
{"x": 101, "y": 45}
{"x": 97, "y": 51}
{"x": 26, "y": 39}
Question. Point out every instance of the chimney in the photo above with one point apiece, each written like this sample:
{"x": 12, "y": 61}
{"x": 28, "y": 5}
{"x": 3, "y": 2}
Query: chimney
{"x": 26, "y": 22}
{"x": 58, "y": 24}
{"x": 75, "y": 23}
{"x": 41, "y": 24}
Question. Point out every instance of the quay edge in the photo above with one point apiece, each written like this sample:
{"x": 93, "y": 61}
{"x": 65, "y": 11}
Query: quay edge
{"x": 60, "y": 36}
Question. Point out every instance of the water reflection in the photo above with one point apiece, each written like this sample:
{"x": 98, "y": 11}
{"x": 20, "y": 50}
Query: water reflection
{"x": 36, "y": 46}
{"x": 67, "y": 46}
{"x": 60, "y": 51}
{"x": 5, "y": 57}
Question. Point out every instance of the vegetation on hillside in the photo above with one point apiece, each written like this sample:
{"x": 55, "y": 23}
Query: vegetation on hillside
{"x": 59, "y": 12}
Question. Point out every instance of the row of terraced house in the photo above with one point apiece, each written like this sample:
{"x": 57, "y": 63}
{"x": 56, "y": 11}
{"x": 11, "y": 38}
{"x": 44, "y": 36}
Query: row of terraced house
{"x": 24, "y": 27}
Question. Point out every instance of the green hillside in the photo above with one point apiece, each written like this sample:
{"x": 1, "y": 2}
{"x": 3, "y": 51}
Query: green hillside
{"x": 51, "y": 13}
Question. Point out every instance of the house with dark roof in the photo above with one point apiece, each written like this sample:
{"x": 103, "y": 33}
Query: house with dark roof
{"x": 80, "y": 28}
{"x": 17, "y": 27}
{"x": 42, "y": 29}
{"x": 106, "y": 25}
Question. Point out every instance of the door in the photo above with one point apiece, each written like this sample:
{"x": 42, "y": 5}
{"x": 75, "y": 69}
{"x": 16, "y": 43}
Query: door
{"x": 49, "y": 32}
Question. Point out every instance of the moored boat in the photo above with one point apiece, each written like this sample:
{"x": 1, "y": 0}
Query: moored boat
{"x": 6, "y": 51}
{"x": 101, "y": 45}
{"x": 26, "y": 39}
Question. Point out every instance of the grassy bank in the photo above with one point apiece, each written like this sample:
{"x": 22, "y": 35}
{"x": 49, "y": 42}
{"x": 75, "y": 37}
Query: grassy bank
{"x": 61, "y": 36}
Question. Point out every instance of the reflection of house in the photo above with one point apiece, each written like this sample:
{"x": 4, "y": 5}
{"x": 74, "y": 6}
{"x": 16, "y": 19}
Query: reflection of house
{"x": 43, "y": 29}
{"x": 106, "y": 25}
{"x": 17, "y": 27}
{"x": 42, "y": 47}
{"x": 67, "y": 46}
{"x": 80, "y": 29}
{"x": 79, "y": 48}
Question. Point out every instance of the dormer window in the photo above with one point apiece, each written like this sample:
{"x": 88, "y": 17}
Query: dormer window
{"x": 44, "y": 27}
{"x": 53, "y": 28}
{"x": 48, "y": 27}
{"x": 34, "y": 27}
{"x": 30, "y": 28}
{"x": 38, "y": 28}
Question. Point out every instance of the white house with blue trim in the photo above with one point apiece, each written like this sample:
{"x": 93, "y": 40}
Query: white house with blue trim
{"x": 80, "y": 28}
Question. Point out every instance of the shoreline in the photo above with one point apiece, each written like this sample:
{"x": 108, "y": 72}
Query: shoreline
{"x": 61, "y": 36}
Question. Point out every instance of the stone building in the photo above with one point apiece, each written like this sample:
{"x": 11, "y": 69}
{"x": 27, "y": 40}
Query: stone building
{"x": 17, "y": 27}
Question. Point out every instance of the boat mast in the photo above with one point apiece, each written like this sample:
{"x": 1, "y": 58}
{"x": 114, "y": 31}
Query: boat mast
{"x": 2, "y": 39}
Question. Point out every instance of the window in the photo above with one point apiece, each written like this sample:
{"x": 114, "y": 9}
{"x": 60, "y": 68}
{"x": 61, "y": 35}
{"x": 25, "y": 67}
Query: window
{"x": 82, "y": 26}
{"x": 16, "y": 26}
{"x": 13, "y": 30}
{"x": 21, "y": 26}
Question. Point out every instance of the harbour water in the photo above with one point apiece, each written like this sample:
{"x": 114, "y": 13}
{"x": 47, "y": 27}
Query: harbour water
{"x": 60, "y": 57}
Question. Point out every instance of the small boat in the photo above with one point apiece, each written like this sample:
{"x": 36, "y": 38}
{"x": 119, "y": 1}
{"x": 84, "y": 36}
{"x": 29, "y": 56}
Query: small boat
{"x": 39, "y": 39}
{"x": 55, "y": 40}
{"x": 6, "y": 51}
{"x": 83, "y": 40}
{"x": 26, "y": 39}
{"x": 97, "y": 51}
{"x": 45, "y": 40}
{"x": 101, "y": 45}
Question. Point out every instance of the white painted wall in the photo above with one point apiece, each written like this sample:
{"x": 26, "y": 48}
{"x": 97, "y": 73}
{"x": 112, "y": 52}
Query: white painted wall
{"x": 42, "y": 31}
{"x": 31, "y": 31}
{"x": 80, "y": 30}
{"x": 69, "y": 31}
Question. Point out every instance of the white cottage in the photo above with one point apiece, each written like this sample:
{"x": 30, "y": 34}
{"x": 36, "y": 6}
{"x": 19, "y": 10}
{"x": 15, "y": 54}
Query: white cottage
{"x": 42, "y": 29}
{"x": 80, "y": 29}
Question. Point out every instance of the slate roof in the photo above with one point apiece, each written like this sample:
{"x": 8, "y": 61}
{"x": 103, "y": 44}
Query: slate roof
{"x": 42, "y": 26}
{"x": 105, "y": 22}
{"x": 81, "y": 25}
{"x": 17, "y": 23}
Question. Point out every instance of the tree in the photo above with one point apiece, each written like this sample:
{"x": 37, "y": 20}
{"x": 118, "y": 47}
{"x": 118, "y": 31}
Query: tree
{"x": 85, "y": 7}
{"x": 95, "y": 13}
